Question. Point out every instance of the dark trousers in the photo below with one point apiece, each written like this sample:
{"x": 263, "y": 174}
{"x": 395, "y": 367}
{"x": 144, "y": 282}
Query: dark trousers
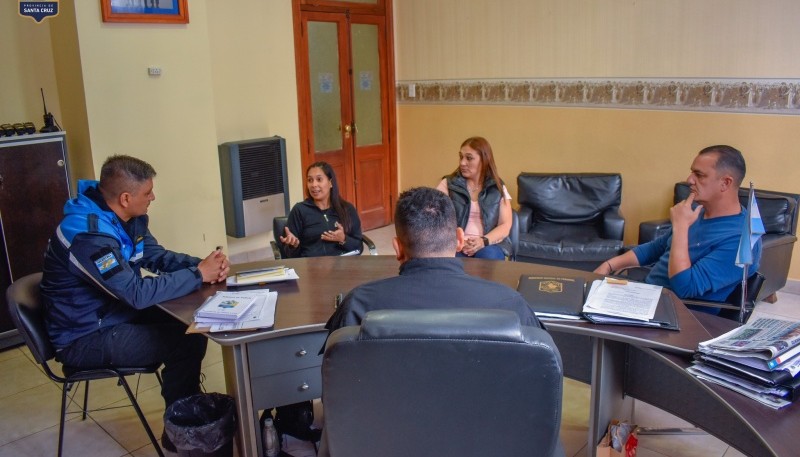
{"x": 153, "y": 337}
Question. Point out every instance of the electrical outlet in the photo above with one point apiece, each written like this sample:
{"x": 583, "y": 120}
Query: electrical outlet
{"x": 154, "y": 71}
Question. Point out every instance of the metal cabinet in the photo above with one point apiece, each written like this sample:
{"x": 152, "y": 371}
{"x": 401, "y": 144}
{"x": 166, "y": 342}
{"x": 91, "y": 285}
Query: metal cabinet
{"x": 34, "y": 185}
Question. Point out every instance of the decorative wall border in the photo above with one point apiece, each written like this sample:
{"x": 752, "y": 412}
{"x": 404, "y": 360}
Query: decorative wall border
{"x": 762, "y": 96}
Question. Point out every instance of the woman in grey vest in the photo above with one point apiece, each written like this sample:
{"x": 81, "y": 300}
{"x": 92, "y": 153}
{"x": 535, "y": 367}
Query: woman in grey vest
{"x": 483, "y": 205}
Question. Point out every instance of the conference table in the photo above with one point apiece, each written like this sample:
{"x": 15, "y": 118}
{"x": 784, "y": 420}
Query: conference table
{"x": 281, "y": 365}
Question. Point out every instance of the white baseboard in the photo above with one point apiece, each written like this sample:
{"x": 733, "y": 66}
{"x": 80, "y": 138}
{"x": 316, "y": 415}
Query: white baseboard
{"x": 792, "y": 286}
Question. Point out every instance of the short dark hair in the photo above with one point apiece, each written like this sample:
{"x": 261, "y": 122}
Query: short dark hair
{"x": 729, "y": 159}
{"x": 425, "y": 222}
{"x": 121, "y": 173}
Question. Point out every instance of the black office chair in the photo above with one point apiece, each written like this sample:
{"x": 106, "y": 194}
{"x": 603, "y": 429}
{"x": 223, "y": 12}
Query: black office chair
{"x": 279, "y": 251}
{"x": 733, "y": 308}
{"x": 27, "y": 313}
{"x": 729, "y": 309}
{"x": 441, "y": 382}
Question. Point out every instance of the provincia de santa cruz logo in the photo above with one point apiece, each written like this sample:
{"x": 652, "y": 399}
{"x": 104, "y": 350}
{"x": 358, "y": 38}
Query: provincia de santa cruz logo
{"x": 38, "y": 11}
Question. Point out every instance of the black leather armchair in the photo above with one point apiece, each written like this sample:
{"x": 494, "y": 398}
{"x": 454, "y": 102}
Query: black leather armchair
{"x": 569, "y": 219}
{"x": 779, "y": 214}
{"x": 441, "y": 382}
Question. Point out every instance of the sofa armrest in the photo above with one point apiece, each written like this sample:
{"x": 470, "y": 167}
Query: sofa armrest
{"x": 650, "y": 230}
{"x": 613, "y": 224}
{"x": 525, "y": 216}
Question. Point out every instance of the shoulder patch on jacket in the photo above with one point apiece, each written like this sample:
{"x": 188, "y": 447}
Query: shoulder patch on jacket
{"x": 106, "y": 262}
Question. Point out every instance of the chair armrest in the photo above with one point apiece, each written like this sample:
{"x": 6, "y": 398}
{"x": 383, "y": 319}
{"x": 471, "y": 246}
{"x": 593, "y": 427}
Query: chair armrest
{"x": 524, "y": 216}
{"x": 370, "y": 245}
{"x": 613, "y": 224}
{"x": 650, "y": 230}
{"x": 276, "y": 253}
{"x": 514, "y": 236}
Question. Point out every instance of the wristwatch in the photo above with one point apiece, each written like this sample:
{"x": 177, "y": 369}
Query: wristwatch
{"x": 485, "y": 241}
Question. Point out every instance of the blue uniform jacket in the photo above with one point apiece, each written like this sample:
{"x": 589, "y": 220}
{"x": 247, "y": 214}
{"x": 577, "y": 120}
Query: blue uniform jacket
{"x": 92, "y": 269}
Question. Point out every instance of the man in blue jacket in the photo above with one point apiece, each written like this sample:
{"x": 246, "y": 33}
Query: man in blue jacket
{"x": 99, "y": 306}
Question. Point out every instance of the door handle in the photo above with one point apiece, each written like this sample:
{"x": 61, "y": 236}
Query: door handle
{"x": 347, "y": 130}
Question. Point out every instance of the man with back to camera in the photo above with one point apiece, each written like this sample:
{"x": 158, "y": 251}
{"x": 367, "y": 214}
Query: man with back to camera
{"x": 430, "y": 275}
{"x": 99, "y": 307}
{"x": 697, "y": 259}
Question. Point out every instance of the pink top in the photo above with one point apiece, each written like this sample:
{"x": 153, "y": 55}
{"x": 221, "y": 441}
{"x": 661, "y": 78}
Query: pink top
{"x": 474, "y": 223}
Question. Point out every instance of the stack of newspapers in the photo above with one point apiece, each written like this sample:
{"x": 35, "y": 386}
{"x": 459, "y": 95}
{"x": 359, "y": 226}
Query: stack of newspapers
{"x": 760, "y": 359}
{"x": 232, "y": 310}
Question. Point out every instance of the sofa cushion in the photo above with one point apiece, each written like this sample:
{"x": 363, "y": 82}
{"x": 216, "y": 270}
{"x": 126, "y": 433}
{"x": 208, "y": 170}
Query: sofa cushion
{"x": 580, "y": 242}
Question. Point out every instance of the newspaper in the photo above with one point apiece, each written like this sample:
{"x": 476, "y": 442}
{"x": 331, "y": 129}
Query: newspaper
{"x": 763, "y": 338}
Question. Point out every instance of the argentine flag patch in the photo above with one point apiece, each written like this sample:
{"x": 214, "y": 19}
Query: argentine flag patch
{"x": 106, "y": 263}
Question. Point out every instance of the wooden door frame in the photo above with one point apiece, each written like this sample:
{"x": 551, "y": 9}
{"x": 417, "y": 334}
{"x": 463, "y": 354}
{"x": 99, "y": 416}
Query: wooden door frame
{"x": 382, "y": 8}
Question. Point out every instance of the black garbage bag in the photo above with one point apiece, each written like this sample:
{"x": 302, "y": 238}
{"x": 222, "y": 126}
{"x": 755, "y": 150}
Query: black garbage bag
{"x": 203, "y": 424}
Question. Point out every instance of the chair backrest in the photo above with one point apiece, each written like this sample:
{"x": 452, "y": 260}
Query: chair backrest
{"x": 778, "y": 209}
{"x": 569, "y": 198}
{"x": 278, "y": 225}
{"x": 27, "y": 313}
{"x": 441, "y": 382}
{"x": 754, "y": 283}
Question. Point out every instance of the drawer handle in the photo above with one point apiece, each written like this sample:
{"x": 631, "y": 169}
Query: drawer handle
{"x": 301, "y": 353}
{"x": 304, "y": 387}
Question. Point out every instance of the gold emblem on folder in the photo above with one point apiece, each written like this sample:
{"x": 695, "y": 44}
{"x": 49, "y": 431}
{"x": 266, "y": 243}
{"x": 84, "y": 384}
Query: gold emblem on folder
{"x": 551, "y": 287}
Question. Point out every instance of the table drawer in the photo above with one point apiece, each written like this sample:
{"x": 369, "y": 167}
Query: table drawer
{"x": 287, "y": 353}
{"x": 287, "y": 388}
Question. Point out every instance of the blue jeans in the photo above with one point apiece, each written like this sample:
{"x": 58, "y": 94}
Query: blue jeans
{"x": 152, "y": 338}
{"x": 491, "y": 252}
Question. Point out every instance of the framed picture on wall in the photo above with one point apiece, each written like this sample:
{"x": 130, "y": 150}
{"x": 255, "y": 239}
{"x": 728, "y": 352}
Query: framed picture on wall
{"x": 153, "y": 11}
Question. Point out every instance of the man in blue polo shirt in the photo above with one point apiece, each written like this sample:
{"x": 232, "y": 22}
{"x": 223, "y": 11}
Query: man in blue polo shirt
{"x": 697, "y": 259}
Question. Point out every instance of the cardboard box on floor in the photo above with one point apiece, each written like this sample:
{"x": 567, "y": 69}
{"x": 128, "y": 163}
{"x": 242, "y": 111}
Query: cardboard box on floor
{"x": 604, "y": 449}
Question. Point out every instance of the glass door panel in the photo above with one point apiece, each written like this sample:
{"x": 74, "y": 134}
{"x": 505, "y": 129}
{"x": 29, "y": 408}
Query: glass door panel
{"x": 366, "y": 84}
{"x": 326, "y": 101}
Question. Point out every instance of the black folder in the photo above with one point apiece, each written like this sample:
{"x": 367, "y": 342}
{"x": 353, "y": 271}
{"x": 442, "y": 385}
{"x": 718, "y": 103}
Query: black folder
{"x": 776, "y": 378}
{"x": 553, "y": 297}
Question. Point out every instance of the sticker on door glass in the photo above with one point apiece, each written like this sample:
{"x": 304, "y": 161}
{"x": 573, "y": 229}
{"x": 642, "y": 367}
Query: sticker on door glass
{"x": 365, "y": 80}
{"x": 326, "y": 83}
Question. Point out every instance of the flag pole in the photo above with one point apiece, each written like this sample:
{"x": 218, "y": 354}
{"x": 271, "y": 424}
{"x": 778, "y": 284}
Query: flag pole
{"x": 743, "y": 298}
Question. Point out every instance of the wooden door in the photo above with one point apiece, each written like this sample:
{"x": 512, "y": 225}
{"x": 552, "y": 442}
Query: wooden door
{"x": 345, "y": 85}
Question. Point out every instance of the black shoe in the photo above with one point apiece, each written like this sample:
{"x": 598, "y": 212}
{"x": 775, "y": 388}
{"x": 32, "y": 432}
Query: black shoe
{"x": 166, "y": 443}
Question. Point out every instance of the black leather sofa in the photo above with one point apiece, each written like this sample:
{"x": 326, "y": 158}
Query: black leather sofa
{"x": 569, "y": 219}
{"x": 779, "y": 214}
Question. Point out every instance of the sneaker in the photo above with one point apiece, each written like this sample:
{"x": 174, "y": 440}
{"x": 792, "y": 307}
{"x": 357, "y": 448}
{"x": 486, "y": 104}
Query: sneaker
{"x": 166, "y": 443}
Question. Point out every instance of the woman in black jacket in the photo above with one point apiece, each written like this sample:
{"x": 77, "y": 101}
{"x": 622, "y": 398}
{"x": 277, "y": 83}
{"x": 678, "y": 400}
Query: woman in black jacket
{"x": 323, "y": 224}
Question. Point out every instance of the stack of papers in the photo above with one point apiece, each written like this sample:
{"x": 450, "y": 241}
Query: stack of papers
{"x": 262, "y": 276}
{"x": 760, "y": 360}
{"x": 229, "y": 311}
{"x": 622, "y": 302}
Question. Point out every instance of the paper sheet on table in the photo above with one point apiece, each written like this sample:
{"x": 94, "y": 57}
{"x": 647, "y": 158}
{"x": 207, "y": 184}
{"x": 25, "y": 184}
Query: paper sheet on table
{"x": 633, "y": 300}
{"x": 290, "y": 275}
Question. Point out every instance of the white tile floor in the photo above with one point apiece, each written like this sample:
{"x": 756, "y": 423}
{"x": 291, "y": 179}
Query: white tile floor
{"x": 30, "y": 402}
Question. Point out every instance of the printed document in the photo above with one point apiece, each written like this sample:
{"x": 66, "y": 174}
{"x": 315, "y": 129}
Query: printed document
{"x": 632, "y": 300}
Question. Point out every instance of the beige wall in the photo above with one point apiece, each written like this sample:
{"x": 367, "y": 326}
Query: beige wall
{"x": 465, "y": 39}
{"x": 227, "y": 75}
{"x": 27, "y": 65}
{"x": 446, "y": 39}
